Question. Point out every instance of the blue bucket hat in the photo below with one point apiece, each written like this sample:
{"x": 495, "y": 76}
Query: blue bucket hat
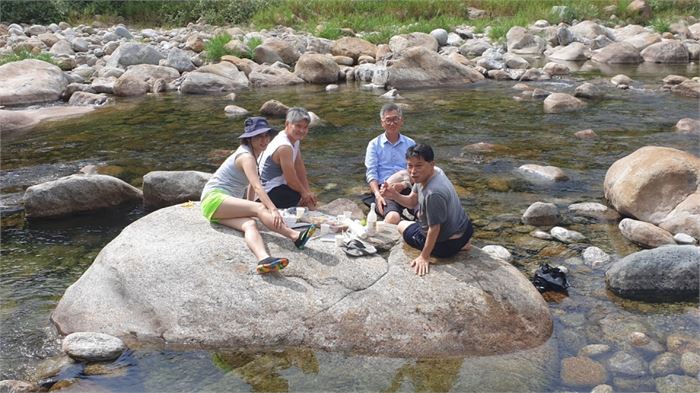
{"x": 255, "y": 126}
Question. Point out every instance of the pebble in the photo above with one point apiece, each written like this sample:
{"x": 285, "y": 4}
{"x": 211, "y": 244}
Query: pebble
{"x": 665, "y": 364}
{"x": 625, "y": 364}
{"x": 594, "y": 256}
{"x": 677, "y": 384}
{"x": 566, "y": 236}
{"x": 684, "y": 238}
{"x": 332, "y": 88}
{"x": 690, "y": 363}
{"x": 582, "y": 372}
{"x": 602, "y": 389}
{"x": 498, "y": 252}
{"x": 16, "y": 386}
{"x": 540, "y": 234}
{"x": 594, "y": 350}
{"x": 638, "y": 339}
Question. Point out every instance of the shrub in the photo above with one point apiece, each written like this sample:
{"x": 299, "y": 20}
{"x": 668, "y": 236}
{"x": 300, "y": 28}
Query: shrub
{"x": 216, "y": 47}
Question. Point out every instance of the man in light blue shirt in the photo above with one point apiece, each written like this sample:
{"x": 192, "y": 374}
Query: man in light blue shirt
{"x": 385, "y": 156}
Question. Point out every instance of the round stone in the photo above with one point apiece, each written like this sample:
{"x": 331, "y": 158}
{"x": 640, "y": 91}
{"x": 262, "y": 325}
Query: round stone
{"x": 93, "y": 347}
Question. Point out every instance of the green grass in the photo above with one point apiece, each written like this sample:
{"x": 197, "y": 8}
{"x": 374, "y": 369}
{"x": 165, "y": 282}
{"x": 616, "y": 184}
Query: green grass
{"x": 23, "y": 55}
{"x": 660, "y": 25}
{"x": 375, "y": 20}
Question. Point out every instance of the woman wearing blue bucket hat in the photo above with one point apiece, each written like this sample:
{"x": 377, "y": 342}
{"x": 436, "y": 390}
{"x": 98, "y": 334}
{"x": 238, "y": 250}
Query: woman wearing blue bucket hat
{"x": 227, "y": 198}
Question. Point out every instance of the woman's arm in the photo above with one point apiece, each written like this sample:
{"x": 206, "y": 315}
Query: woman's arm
{"x": 247, "y": 163}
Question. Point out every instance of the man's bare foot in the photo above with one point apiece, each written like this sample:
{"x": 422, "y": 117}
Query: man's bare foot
{"x": 467, "y": 247}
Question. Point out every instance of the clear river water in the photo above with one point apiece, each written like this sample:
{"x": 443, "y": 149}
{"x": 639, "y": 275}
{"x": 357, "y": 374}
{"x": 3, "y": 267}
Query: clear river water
{"x": 41, "y": 258}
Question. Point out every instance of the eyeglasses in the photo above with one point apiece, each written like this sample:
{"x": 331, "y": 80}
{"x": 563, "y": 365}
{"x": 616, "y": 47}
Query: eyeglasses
{"x": 391, "y": 120}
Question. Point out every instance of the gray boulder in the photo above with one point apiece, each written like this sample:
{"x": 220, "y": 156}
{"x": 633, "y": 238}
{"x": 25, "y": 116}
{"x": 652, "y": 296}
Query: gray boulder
{"x": 62, "y": 48}
{"x": 546, "y": 173}
{"x": 572, "y": 52}
{"x": 587, "y": 30}
{"x": 123, "y": 32}
{"x": 227, "y": 70}
{"x": 166, "y": 188}
{"x": 179, "y": 60}
{"x": 353, "y": 47}
{"x": 689, "y": 88}
{"x": 275, "y": 49}
{"x": 78, "y": 194}
{"x": 440, "y": 36}
{"x": 130, "y": 53}
{"x": 588, "y": 90}
{"x": 664, "y": 274}
{"x": 317, "y": 68}
{"x": 643, "y": 40}
{"x": 520, "y": 41}
{"x": 688, "y": 126}
{"x": 618, "y": 53}
{"x": 473, "y": 48}
{"x": 205, "y": 293}
{"x": 673, "y": 52}
{"x": 206, "y": 83}
{"x": 85, "y": 98}
{"x": 92, "y": 347}
{"x": 266, "y": 76}
{"x": 420, "y": 67}
{"x": 30, "y": 81}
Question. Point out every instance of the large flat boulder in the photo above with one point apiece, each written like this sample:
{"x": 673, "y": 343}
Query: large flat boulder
{"x": 317, "y": 68}
{"x": 172, "y": 276}
{"x": 421, "y": 67}
{"x": 651, "y": 182}
{"x": 17, "y": 120}
{"x": 664, "y": 274}
{"x": 30, "y": 81}
{"x": 78, "y": 194}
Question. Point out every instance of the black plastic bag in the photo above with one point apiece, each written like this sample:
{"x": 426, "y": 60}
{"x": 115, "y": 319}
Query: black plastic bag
{"x": 549, "y": 278}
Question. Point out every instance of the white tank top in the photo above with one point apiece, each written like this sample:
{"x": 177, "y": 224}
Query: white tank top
{"x": 270, "y": 172}
{"x": 228, "y": 177}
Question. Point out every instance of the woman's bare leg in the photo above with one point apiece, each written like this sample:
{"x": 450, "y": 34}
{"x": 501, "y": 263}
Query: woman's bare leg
{"x": 250, "y": 233}
{"x": 241, "y": 208}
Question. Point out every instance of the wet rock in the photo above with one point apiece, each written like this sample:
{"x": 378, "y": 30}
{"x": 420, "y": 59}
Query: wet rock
{"x": 332, "y": 87}
{"x": 618, "y": 53}
{"x": 399, "y": 43}
{"x": 353, "y": 47}
{"x": 235, "y": 111}
{"x": 588, "y": 90}
{"x": 586, "y": 134}
{"x": 665, "y": 364}
{"x": 166, "y": 188}
{"x": 274, "y": 108}
{"x": 602, "y": 389}
{"x": 185, "y": 291}
{"x": 688, "y": 126}
{"x": 626, "y": 364}
{"x": 498, "y": 252}
{"x": 53, "y": 366}
{"x": 315, "y": 68}
{"x": 84, "y": 98}
{"x": 690, "y": 363}
{"x": 566, "y": 235}
{"x": 420, "y": 67}
{"x": 16, "y": 120}
{"x": 621, "y": 79}
{"x": 689, "y": 88}
{"x": 667, "y": 52}
{"x": 92, "y": 347}
{"x": 542, "y": 214}
{"x": 682, "y": 342}
{"x": 539, "y": 234}
{"x": 16, "y": 386}
{"x": 677, "y": 384}
{"x": 266, "y": 76}
{"x": 562, "y": 102}
{"x": 594, "y": 256}
{"x": 634, "y": 384}
{"x": 545, "y": 173}
{"x": 78, "y": 194}
{"x": 594, "y": 351}
{"x": 582, "y": 372}
{"x": 651, "y": 182}
{"x": 664, "y": 274}
{"x": 593, "y": 210}
{"x": 30, "y": 81}
{"x": 645, "y": 234}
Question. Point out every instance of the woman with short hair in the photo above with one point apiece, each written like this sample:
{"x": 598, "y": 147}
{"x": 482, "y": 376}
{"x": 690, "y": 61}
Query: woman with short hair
{"x": 227, "y": 198}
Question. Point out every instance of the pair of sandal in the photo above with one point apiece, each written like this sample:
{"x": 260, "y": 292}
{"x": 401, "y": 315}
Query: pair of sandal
{"x": 274, "y": 264}
{"x": 358, "y": 248}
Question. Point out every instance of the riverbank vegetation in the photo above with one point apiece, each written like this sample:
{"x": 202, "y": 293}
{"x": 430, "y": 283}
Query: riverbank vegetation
{"x": 376, "y": 20}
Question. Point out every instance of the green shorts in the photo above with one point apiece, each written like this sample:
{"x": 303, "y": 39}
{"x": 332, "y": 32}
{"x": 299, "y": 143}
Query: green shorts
{"x": 211, "y": 202}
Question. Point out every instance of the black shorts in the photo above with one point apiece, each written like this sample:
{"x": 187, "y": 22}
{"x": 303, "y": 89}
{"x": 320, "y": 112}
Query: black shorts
{"x": 415, "y": 237}
{"x": 283, "y": 196}
{"x": 391, "y": 206}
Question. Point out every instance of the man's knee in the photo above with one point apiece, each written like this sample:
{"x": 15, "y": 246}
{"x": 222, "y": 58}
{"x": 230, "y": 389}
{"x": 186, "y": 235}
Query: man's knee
{"x": 392, "y": 218}
{"x": 403, "y": 225}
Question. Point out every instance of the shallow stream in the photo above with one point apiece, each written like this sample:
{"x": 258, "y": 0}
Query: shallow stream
{"x": 40, "y": 259}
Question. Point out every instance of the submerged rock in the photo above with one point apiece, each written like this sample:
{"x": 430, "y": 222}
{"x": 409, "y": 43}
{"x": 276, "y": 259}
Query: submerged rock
{"x": 92, "y": 347}
{"x": 173, "y": 276}
{"x": 664, "y": 274}
{"x": 78, "y": 194}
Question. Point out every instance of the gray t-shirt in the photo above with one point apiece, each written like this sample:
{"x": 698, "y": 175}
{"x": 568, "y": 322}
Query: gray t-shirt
{"x": 228, "y": 178}
{"x": 438, "y": 203}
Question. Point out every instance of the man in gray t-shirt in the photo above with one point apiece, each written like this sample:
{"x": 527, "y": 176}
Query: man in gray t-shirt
{"x": 443, "y": 228}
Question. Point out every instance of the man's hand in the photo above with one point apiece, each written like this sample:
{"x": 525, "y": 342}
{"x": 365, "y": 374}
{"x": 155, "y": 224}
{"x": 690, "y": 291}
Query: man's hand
{"x": 309, "y": 200}
{"x": 379, "y": 203}
{"x": 388, "y": 191}
{"x": 421, "y": 265}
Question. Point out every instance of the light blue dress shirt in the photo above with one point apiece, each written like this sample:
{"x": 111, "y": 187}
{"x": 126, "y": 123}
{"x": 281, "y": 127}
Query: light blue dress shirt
{"x": 383, "y": 158}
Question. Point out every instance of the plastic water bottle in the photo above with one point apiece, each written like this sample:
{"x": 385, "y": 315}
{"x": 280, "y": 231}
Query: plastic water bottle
{"x": 371, "y": 221}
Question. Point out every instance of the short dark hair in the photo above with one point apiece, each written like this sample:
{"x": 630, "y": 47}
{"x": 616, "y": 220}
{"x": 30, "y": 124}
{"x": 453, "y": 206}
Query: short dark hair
{"x": 421, "y": 150}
